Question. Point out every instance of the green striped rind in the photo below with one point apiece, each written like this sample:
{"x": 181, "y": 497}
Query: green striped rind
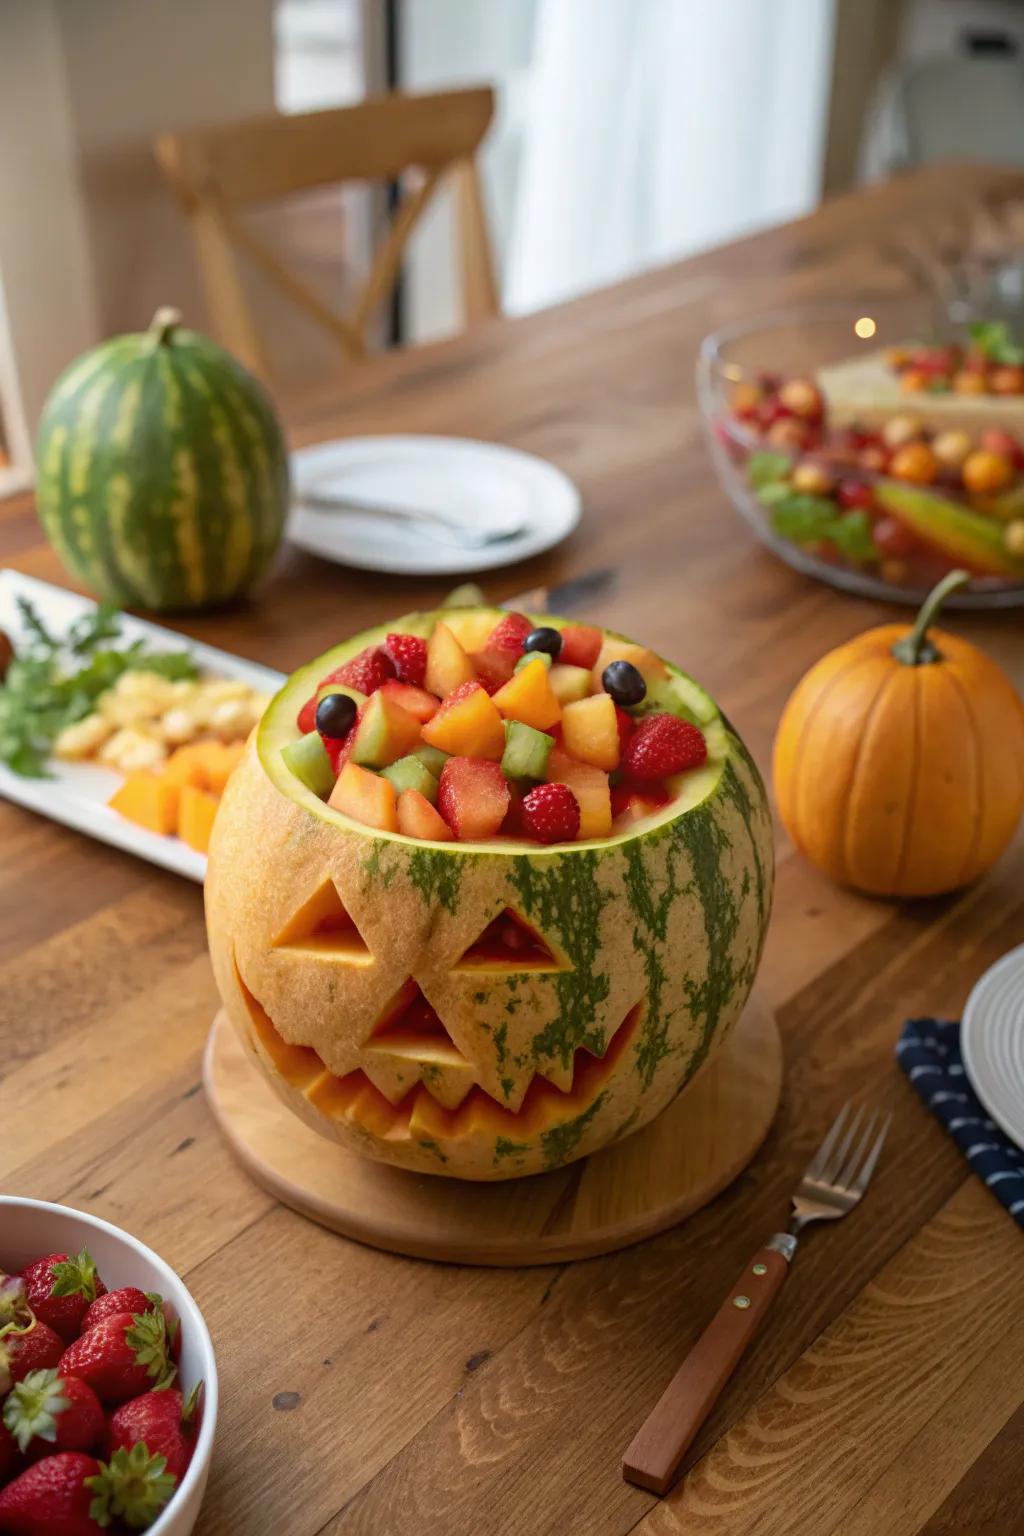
{"x": 667, "y": 919}
{"x": 162, "y": 475}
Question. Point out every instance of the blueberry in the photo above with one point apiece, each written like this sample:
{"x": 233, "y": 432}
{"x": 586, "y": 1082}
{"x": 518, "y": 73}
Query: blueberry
{"x": 335, "y": 715}
{"x": 544, "y": 639}
{"x": 624, "y": 682}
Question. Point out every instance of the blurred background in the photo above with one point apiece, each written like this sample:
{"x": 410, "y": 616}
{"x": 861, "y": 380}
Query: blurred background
{"x": 625, "y": 135}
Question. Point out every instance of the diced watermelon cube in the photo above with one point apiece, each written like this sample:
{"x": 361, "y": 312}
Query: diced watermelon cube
{"x": 473, "y": 797}
{"x": 581, "y": 645}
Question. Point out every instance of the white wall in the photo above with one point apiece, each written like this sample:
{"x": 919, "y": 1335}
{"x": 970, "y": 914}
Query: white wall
{"x": 45, "y": 262}
{"x": 91, "y": 242}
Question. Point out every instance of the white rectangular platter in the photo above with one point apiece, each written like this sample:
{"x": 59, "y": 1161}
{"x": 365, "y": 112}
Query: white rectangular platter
{"x": 77, "y": 794}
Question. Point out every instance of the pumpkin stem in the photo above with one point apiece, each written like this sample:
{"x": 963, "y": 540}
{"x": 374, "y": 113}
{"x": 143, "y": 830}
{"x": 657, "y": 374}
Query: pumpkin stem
{"x": 166, "y": 320}
{"x": 916, "y": 649}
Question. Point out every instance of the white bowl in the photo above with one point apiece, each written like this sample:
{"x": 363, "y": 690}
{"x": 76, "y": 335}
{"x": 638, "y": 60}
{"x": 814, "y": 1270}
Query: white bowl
{"x": 31, "y": 1228}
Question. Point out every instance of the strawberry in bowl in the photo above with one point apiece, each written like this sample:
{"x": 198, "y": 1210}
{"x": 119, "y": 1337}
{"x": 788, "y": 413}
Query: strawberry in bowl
{"x": 487, "y": 890}
{"x": 114, "y": 1431}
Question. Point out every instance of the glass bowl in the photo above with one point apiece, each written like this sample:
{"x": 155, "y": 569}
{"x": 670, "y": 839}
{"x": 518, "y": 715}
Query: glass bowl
{"x": 831, "y": 534}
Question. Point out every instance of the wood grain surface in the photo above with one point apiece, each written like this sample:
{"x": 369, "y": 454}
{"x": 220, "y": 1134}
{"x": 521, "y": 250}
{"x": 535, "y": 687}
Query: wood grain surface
{"x": 365, "y": 1393}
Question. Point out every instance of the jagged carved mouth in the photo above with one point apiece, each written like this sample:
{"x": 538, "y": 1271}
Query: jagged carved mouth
{"x": 442, "y": 1101}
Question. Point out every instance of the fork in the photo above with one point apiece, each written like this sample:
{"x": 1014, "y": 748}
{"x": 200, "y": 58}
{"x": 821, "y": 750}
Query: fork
{"x": 834, "y": 1182}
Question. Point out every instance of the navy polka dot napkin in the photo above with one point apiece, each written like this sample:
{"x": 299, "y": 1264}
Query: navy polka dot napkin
{"x": 929, "y": 1053}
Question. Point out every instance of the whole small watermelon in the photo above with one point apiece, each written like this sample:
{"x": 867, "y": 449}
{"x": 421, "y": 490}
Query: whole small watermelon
{"x": 162, "y": 476}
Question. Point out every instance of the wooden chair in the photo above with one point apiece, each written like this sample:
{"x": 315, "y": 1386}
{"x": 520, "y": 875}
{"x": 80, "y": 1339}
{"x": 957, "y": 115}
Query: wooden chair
{"x": 421, "y": 140}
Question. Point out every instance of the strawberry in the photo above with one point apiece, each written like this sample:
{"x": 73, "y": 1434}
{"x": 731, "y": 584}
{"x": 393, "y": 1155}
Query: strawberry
{"x": 364, "y": 672}
{"x": 53, "y": 1498}
{"x": 409, "y": 654}
{"x": 72, "y": 1494}
{"x": 663, "y": 745}
{"x": 162, "y": 1422}
{"x": 626, "y": 725}
{"x": 122, "y": 1356}
{"x": 33, "y": 1348}
{"x": 47, "y": 1412}
{"x": 551, "y": 814}
{"x": 60, "y": 1289}
{"x": 10, "y": 1459}
{"x": 128, "y": 1299}
{"x": 509, "y": 634}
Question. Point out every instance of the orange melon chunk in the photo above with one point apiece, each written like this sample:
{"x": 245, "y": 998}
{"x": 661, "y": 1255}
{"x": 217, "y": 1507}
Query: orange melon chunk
{"x": 196, "y": 811}
{"x": 448, "y": 666}
{"x": 590, "y": 731}
{"x": 150, "y": 800}
{"x": 366, "y": 797}
{"x": 527, "y": 697}
{"x": 467, "y": 725}
{"x": 417, "y": 818}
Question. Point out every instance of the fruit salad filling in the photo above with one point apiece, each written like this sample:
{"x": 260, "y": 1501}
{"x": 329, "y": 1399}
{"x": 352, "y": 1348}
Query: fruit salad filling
{"x": 905, "y": 500}
{"x": 505, "y": 729}
{"x": 94, "y": 1430}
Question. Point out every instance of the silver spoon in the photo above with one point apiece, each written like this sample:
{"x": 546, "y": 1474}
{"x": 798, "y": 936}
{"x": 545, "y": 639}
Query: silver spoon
{"x": 448, "y": 530}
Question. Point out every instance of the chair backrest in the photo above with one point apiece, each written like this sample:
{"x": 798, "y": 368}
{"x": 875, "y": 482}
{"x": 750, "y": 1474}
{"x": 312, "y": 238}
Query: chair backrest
{"x": 421, "y": 140}
{"x": 962, "y": 108}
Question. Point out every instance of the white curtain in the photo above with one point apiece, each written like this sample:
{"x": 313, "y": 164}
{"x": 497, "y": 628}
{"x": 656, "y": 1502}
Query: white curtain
{"x": 653, "y": 128}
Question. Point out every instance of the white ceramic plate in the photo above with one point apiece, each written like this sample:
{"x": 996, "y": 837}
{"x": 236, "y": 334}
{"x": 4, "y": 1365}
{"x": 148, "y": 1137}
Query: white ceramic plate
{"x": 992, "y": 1043}
{"x": 29, "y": 1228}
{"x": 77, "y": 794}
{"x": 484, "y": 483}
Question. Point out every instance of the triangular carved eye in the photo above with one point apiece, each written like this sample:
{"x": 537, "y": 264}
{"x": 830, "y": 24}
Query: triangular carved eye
{"x": 510, "y": 944}
{"x": 323, "y": 926}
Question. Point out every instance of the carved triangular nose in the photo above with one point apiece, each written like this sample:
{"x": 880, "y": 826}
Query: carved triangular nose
{"x": 509, "y": 943}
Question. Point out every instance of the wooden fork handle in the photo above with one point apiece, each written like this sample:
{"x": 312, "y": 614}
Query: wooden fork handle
{"x": 667, "y": 1433}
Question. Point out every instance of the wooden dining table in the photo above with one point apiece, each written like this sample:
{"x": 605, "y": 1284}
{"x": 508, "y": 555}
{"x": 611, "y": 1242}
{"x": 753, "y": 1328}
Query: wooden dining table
{"x": 364, "y": 1392}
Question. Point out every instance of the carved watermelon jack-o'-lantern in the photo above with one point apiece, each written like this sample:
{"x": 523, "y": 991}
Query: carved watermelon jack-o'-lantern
{"x": 492, "y": 1006}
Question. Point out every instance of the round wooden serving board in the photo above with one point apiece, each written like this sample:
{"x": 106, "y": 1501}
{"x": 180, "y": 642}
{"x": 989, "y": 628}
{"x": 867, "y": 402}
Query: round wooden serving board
{"x": 618, "y": 1196}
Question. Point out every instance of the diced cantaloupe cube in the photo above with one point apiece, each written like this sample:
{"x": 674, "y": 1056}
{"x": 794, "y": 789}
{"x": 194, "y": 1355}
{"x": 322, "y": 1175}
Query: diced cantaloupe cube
{"x": 196, "y": 811}
{"x": 590, "y": 731}
{"x": 150, "y": 800}
{"x": 472, "y": 628}
{"x": 527, "y": 697}
{"x": 468, "y": 724}
{"x": 569, "y": 683}
{"x": 222, "y": 764}
{"x": 423, "y": 706}
{"x": 641, "y": 656}
{"x": 417, "y": 818}
{"x": 447, "y": 663}
{"x": 366, "y": 797}
{"x": 189, "y": 764}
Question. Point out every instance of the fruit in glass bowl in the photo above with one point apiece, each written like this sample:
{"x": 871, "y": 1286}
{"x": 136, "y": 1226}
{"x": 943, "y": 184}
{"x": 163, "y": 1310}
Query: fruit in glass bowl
{"x": 885, "y": 502}
{"x": 488, "y": 937}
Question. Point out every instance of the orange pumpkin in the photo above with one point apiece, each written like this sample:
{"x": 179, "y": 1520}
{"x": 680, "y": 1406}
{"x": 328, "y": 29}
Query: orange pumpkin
{"x": 899, "y": 759}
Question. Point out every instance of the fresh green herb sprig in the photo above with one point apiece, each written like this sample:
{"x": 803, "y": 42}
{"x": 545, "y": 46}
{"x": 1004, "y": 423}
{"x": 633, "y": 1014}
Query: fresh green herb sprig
{"x": 53, "y": 682}
{"x": 995, "y": 339}
{"x": 807, "y": 519}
